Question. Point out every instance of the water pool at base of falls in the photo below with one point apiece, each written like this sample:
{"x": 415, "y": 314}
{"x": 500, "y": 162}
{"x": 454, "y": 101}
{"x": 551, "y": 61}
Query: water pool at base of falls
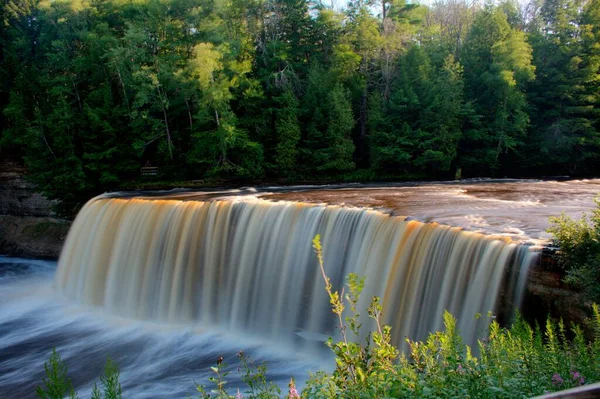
{"x": 156, "y": 360}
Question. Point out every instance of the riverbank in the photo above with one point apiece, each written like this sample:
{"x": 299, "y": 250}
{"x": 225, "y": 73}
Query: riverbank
{"x": 29, "y": 227}
{"x": 32, "y": 237}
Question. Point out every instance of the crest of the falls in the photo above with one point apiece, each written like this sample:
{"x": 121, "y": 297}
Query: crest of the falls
{"x": 247, "y": 265}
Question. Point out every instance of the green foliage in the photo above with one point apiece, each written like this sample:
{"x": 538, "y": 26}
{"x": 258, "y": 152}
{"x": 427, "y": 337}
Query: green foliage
{"x": 512, "y": 363}
{"x": 565, "y": 96}
{"x": 288, "y": 134}
{"x": 59, "y": 386}
{"x": 293, "y": 89}
{"x": 441, "y": 122}
{"x": 255, "y": 378}
{"x": 110, "y": 382}
{"x": 219, "y": 392}
{"x": 579, "y": 243}
{"x": 328, "y": 146}
{"x": 362, "y": 370}
{"x": 56, "y": 383}
{"x": 498, "y": 61}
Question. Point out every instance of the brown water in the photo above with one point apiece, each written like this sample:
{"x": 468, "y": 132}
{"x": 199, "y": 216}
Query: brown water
{"x": 518, "y": 209}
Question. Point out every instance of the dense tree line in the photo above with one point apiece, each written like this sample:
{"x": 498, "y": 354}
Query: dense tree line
{"x": 90, "y": 90}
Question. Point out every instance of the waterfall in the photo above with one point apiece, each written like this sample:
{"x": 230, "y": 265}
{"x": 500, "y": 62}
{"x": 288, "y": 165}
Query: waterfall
{"x": 247, "y": 265}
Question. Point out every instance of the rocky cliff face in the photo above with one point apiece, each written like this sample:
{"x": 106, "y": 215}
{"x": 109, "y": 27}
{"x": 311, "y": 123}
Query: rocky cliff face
{"x": 18, "y": 196}
{"x": 547, "y": 294}
{"x": 28, "y": 224}
{"x": 32, "y": 237}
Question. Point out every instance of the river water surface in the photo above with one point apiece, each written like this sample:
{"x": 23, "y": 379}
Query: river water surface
{"x": 156, "y": 360}
{"x": 164, "y": 360}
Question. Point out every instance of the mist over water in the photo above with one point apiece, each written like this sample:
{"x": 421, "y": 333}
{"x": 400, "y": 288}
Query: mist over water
{"x": 156, "y": 360}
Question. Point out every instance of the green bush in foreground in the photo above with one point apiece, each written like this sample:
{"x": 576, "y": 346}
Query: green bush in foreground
{"x": 579, "y": 243}
{"x": 58, "y": 386}
{"x": 56, "y": 383}
{"x": 512, "y": 363}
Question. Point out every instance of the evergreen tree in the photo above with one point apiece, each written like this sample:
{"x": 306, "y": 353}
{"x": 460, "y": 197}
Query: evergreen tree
{"x": 497, "y": 61}
{"x": 442, "y": 119}
{"x": 328, "y": 146}
{"x": 288, "y": 134}
{"x": 92, "y": 91}
{"x": 565, "y": 95}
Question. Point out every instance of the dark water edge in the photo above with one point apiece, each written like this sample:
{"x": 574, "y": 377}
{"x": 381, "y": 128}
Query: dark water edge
{"x": 156, "y": 360}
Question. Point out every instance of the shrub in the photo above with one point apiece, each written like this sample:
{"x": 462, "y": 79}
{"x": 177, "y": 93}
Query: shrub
{"x": 56, "y": 384}
{"x": 513, "y": 363}
{"x": 579, "y": 243}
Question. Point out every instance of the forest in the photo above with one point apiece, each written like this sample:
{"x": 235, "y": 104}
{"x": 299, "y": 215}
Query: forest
{"x": 297, "y": 90}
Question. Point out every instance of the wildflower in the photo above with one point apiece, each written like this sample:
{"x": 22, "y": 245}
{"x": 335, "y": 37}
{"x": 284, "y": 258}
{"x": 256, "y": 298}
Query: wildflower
{"x": 575, "y": 374}
{"x": 577, "y": 377}
{"x": 557, "y": 379}
{"x": 460, "y": 369}
{"x": 293, "y": 391}
{"x": 239, "y": 395}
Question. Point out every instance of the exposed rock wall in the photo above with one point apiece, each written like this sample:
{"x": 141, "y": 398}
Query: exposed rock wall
{"x": 28, "y": 224}
{"x": 18, "y": 196}
{"x": 546, "y": 293}
{"x": 32, "y": 237}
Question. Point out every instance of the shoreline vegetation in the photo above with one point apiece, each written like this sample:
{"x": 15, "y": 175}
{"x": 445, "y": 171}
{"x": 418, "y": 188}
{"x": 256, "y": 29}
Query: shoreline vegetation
{"x": 520, "y": 361}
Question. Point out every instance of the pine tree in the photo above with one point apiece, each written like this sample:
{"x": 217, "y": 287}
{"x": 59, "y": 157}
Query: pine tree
{"x": 288, "y": 134}
{"x": 498, "y": 65}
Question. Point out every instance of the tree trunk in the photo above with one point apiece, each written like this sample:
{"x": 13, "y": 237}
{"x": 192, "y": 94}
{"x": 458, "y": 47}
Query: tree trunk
{"x": 363, "y": 114}
{"x": 124, "y": 92}
{"x": 187, "y": 104}
{"x": 217, "y": 118}
{"x": 169, "y": 141}
{"x": 77, "y": 95}
{"x": 41, "y": 130}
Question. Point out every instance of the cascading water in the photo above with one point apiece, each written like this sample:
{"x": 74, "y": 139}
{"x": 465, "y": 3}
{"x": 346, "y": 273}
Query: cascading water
{"x": 206, "y": 270}
{"x": 247, "y": 265}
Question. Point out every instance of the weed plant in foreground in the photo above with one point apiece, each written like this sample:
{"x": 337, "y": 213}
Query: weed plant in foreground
{"x": 518, "y": 362}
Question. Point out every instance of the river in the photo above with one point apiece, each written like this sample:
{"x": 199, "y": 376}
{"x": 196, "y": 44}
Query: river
{"x": 236, "y": 272}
